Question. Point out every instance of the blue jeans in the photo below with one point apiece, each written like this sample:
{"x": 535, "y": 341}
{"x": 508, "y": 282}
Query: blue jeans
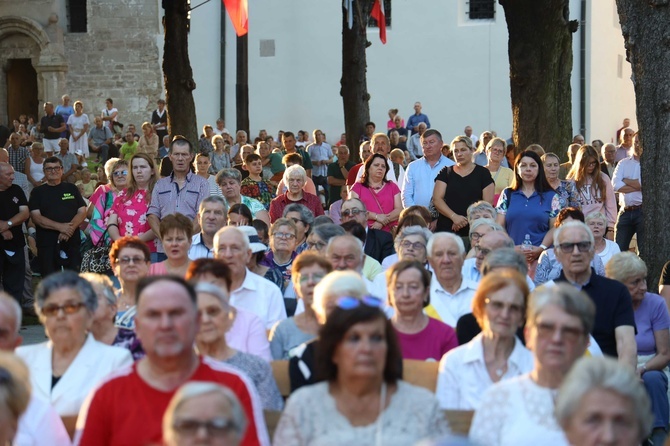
{"x": 656, "y": 384}
{"x": 629, "y": 223}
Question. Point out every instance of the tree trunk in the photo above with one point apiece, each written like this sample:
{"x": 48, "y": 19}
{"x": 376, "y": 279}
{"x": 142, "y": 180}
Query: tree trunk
{"x": 540, "y": 58}
{"x": 644, "y": 25}
{"x": 354, "y": 86}
{"x": 179, "y": 83}
{"x": 242, "y": 86}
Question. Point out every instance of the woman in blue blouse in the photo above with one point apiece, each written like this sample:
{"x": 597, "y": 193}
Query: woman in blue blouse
{"x": 527, "y": 210}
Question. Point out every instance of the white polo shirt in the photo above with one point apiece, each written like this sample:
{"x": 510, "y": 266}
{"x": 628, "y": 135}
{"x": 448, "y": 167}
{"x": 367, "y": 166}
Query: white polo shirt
{"x": 448, "y": 307}
{"x": 261, "y": 297}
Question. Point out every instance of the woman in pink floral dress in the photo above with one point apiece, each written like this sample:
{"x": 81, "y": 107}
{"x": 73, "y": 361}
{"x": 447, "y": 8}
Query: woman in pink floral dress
{"x": 128, "y": 215}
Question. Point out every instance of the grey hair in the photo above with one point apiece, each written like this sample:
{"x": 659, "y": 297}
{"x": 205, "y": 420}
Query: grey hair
{"x": 445, "y": 235}
{"x": 228, "y": 174}
{"x": 596, "y": 216}
{"x": 604, "y": 373}
{"x": 242, "y": 235}
{"x": 322, "y": 220}
{"x": 14, "y": 308}
{"x": 65, "y": 279}
{"x": 480, "y": 206}
{"x": 573, "y": 224}
{"x": 306, "y": 215}
{"x": 484, "y": 221}
{"x": 209, "y": 288}
{"x": 102, "y": 283}
{"x": 365, "y": 208}
{"x": 571, "y": 300}
{"x": 295, "y": 170}
{"x": 357, "y": 243}
{"x": 504, "y": 258}
{"x": 624, "y": 265}
{"x": 335, "y": 285}
{"x": 109, "y": 166}
{"x": 194, "y": 389}
{"x": 214, "y": 199}
{"x": 327, "y": 231}
{"x": 411, "y": 230}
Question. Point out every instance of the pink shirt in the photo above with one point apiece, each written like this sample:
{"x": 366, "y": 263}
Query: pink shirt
{"x": 248, "y": 335}
{"x": 430, "y": 343}
{"x": 131, "y": 214}
{"x": 378, "y": 202}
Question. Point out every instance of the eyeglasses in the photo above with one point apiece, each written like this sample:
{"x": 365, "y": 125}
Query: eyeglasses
{"x": 482, "y": 251}
{"x": 129, "y": 260}
{"x": 283, "y": 236}
{"x": 348, "y": 212}
{"x": 314, "y": 277}
{"x": 120, "y": 173}
{"x": 316, "y": 245}
{"x": 216, "y": 427}
{"x": 68, "y": 308}
{"x": 52, "y": 169}
{"x": 500, "y": 306}
{"x": 546, "y": 330}
{"x": 567, "y": 248}
{"x": 592, "y": 164}
{"x": 476, "y": 236}
{"x": 406, "y": 244}
{"x": 349, "y": 303}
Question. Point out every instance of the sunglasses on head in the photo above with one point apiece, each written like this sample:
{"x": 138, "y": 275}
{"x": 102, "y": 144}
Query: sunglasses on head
{"x": 349, "y": 303}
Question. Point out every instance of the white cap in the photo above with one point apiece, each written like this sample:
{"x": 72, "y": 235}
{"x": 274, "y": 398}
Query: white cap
{"x": 254, "y": 241}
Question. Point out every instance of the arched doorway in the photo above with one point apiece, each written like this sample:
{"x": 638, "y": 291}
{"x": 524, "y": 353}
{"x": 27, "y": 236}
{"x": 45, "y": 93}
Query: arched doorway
{"x": 21, "y": 89}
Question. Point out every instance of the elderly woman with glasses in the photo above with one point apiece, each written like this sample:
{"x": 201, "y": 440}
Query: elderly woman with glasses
{"x": 103, "y": 327}
{"x": 362, "y": 399}
{"x": 602, "y": 402}
{"x": 420, "y": 337}
{"x": 230, "y": 182}
{"x": 652, "y": 337}
{"x": 100, "y": 206}
{"x": 307, "y": 271}
{"x": 211, "y": 406}
{"x": 304, "y": 222}
{"x": 295, "y": 177}
{"x": 283, "y": 234}
{"x": 520, "y": 410}
{"x": 494, "y": 355}
{"x": 130, "y": 260}
{"x": 66, "y": 368}
{"x": 318, "y": 238}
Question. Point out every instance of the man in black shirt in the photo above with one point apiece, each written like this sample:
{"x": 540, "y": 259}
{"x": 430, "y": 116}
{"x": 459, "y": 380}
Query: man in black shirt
{"x": 13, "y": 212}
{"x": 57, "y": 209}
{"x": 51, "y": 125}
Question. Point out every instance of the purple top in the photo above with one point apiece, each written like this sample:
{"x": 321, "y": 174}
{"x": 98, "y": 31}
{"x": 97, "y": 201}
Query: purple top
{"x": 652, "y": 315}
{"x": 430, "y": 343}
{"x": 126, "y": 338}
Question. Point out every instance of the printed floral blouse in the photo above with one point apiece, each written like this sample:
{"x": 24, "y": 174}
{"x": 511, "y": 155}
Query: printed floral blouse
{"x": 131, "y": 214}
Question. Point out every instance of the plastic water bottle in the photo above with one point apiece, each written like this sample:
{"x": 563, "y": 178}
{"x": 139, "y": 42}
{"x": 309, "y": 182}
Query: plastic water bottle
{"x": 527, "y": 245}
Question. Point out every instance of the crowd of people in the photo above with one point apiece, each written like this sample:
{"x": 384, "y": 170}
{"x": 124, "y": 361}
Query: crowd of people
{"x": 176, "y": 276}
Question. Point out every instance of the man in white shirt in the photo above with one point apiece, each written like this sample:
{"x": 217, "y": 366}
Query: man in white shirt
{"x": 249, "y": 291}
{"x": 40, "y": 423}
{"x": 414, "y": 142}
{"x": 221, "y": 127}
{"x": 380, "y": 144}
{"x": 627, "y": 182}
{"x": 345, "y": 252}
{"x": 212, "y": 217}
{"x": 450, "y": 294}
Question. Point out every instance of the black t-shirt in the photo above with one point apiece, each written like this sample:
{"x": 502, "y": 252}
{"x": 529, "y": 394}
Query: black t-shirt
{"x": 58, "y": 203}
{"x": 461, "y": 193}
{"x": 10, "y": 201}
{"x": 54, "y": 121}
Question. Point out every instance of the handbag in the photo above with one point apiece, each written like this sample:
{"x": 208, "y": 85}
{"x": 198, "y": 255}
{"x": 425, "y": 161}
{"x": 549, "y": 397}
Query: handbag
{"x": 96, "y": 260}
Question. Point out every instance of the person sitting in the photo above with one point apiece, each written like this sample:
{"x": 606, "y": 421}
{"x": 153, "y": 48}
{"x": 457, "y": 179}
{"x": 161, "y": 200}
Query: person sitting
{"x": 130, "y": 261}
{"x": 229, "y": 180}
{"x": 320, "y": 235}
{"x": 494, "y": 355}
{"x": 356, "y": 403}
{"x": 204, "y": 404}
{"x": 295, "y": 177}
{"x": 281, "y": 255}
{"x": 239, "y": 215}
{"x": 370, "y": 268}
{"x": 605, "y": 248}
{"x": 420, "y": 337}
{"x": 176, "y": 232}
{"x": 652, "y": 338}
{"x": 254, "y": 186}
{"x": 289, "y": 160}
{"x": 406, "y": 220}
{"x": 210, "y": 341}
{"x": 378, "y": 243}
{"x": 246, "y": 332}
{"x": 72, "y": 363}
{"x": 304, "y": 221}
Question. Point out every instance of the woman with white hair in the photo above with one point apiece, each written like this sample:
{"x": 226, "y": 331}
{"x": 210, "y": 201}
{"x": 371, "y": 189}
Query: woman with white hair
{"x": 204, "y": 413}
{"x": 602, "y": 402}
{"x": 295, "y": 177}
{"x": 597, "y": 222}
{"x": 335, "y": 285}
{"x": 652, "y": 338}
{"x": 520, "y": 410}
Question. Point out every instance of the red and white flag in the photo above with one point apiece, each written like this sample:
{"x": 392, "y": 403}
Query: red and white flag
{"x": 238, "y": 10}
{"x": 379, "y": 15}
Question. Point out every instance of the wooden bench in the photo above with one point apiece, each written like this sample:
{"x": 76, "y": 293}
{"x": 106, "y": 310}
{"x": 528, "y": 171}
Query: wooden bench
{"x": 420, "y": 373}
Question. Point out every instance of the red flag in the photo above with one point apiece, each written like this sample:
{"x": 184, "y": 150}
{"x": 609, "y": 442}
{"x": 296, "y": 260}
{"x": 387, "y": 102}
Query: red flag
{"x": 238, "y": 10}
{"x": 379, "y": 15}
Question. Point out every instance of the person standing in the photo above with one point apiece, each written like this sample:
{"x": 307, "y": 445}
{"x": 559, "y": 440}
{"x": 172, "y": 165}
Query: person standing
{"x": 78, "y": 124}
{"x": 57, "y": 209}
{"x": 13, "y": 212}
{"x": 51, "y": 126}
{"x": 159, "y": 119}
{"x": 338, "y": 172}
{"x": 321, "y": 155}
{"x": 416, "y": 118}
{"x": 110, "y": 114}
{"x": 627, "y": 182}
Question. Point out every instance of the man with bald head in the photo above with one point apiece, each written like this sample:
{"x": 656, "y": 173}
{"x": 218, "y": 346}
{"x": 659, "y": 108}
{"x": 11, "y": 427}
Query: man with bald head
{"x": 13, "y": 212}
{"x": 378, "y": 244}
{"x": 40, "y": 424}
{"x": 345, "y": 252}
{"x": 248, "y": 290}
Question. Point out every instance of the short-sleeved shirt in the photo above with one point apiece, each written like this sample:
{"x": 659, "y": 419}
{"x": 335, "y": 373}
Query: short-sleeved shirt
{"x": 17, "y": 157}
{"x": 131, "y": 212}
{"x": 54, "y": 121}
{"x": 308, "y": 200}
{"x": 59, "y": 203}
{"x": 430, "y": 343}
{"x": 652, "y": 315}
{"x": 10, "y": 202}
{"x": 335, "y": 171}
{"x": 320, "y": 152}
{"x": 260, "y": 190}
{"x": 461, "y": 193}
{"x": 68, "y": 160}
{"x": 167, "y": 198}
{"x": 614, "y": 308}
{"x": 528, "y": 215}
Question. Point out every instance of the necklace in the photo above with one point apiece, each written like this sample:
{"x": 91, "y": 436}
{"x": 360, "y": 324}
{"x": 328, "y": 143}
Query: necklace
{"x": 376, "y": 187}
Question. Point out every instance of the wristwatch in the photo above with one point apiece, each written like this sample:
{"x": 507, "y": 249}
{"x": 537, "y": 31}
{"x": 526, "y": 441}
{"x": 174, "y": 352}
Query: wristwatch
{"x": 9, "y": 223}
